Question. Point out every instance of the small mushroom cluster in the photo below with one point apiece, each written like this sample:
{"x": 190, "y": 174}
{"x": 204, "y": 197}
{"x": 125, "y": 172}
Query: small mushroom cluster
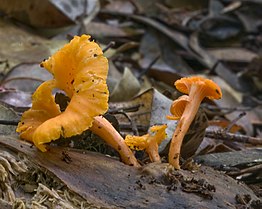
{"x": 80, "y": 70}
{"x": 148, "y": 142}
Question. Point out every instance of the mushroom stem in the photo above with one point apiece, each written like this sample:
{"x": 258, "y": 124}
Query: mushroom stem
{"x": 107, "y": 132}
{"x": 195, "y": 98}
{"x": 152, "y": 151}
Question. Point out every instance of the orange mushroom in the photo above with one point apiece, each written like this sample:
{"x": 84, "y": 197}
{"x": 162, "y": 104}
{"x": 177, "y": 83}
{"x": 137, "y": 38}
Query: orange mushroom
{"x": 186, "y": 108}
{"x": 80, "y": 70}
{"x": 148, "y": 142}
{"x": 43, "y": 109}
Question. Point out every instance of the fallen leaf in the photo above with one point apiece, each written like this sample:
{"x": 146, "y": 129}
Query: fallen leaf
{"x": 17, "y": 100}
{"x": 126, "y": 88}
{"x": 232, "y": 54}
{"x": 7, "y": 114}
{"x": 19, "y": 46}
{"x": 249, "y": 14}
{"x": 31, "y": 13}
{"x": 25, "y": 77}
{"x": 118, "y": 5}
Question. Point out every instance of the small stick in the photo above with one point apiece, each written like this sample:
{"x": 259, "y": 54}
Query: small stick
{"x": 252, "y": 169}
{"x": 149, "y": 66}
{"x": 108, "y": 46}
{"x": 9, "y": 122}
{"x": 225, "y": 136}
{"x": 233, "y": 122}
{"x": 21, "y": 78}
{"x": 132, "y": 123}
{"x": 141, "y": 128}
{"x": 134, "y": 108}
{"x": 229, "y": 109}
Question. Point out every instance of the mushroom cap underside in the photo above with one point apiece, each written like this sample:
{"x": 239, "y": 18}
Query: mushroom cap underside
{"x": 43, "y": 108}
{"x": 177, "y": 108}
{"x": 210, "y": 89}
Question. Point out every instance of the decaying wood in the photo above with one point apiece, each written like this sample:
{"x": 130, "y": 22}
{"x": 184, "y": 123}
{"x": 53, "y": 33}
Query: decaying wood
{"x": 105, "y": 182}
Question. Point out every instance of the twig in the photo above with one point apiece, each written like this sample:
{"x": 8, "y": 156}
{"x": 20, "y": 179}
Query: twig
{"x": 141, "y": 128}
{"x": 227, "y": 109}
{"x": 221, "y": 134}
{"x": 134, "y": 108}
{"x": 144, "y": 71}
{"x": 233, "y": 122}
{"x": 9, "y": 122}
{"x": 176, "y": 36}
{"x": 132, "y": 123}
{"x": 252, "y": 169}
{"x": 108, "y": 46}
{"x": 21, "y": 78}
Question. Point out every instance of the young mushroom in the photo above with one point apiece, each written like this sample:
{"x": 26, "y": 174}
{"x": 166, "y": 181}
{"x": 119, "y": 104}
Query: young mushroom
{"x": 80, "y": 70}
{"x": 148, "y": 142}
{"x": 186, "y": 107}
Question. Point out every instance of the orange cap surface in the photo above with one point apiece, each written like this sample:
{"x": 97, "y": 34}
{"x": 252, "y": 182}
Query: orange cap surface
{"x": 156, "y": 133}
{"x": 80, "y": 70}
{"x": 209, "y": 88}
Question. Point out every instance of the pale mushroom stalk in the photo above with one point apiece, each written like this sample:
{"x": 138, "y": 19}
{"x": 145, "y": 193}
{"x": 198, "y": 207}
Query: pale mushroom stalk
{"x": 107, "y": 132}
{"x": 152, "y": 150}
{"x": 195, "y": 98}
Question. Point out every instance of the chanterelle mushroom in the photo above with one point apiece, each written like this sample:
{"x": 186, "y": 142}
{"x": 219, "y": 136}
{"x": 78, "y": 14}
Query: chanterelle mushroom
{"x": 80, "y": 70}
{"x": 186, "y": 108}
{"x": 148, "y": 142}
